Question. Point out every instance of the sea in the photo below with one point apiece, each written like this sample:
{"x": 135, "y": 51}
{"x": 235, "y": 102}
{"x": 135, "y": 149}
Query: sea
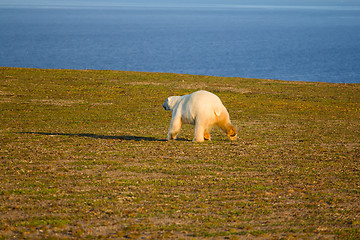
{"x": 296, "y": 40}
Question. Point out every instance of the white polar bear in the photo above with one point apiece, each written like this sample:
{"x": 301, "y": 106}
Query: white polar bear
{"x": 202, "y": 109}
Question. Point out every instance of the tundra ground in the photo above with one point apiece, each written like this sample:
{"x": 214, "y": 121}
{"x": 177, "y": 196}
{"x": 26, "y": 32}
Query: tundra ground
{"x": 83, "y": 155}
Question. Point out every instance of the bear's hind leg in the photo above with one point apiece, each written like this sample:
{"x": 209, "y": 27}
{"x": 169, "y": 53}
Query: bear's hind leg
{"x": 207, "y": 135}
{"x": 226, "y": 126}
{"x": 231, "y": 132}
{"x": 199, "y": 133}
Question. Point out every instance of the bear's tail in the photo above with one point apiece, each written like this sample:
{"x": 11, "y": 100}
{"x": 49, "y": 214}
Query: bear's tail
{"x": 218, "y": 111}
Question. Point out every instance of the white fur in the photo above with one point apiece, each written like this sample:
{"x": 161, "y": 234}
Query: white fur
{"x": 202, "y": 109}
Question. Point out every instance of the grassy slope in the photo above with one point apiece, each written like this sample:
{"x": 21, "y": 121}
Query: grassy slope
{"x": 82, "y": 155}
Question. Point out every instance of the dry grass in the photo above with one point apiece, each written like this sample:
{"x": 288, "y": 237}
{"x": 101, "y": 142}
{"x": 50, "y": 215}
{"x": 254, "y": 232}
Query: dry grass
{"x": 83, "y": 155}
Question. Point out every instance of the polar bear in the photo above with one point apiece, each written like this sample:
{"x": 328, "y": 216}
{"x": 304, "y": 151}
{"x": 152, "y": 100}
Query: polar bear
{"x": 202, "y": 109}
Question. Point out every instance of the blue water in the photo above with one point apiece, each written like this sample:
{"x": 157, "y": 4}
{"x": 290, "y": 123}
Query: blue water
{"x": 305, "y": 42}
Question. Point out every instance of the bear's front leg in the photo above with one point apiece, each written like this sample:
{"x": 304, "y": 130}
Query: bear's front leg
{"x": 174, "y": 129}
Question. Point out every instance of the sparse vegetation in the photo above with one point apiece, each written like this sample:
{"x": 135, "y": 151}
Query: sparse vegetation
{"x": 83, "y": 155}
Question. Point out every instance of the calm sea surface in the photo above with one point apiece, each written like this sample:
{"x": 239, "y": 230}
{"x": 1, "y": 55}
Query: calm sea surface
{"x": 308, "y": 43}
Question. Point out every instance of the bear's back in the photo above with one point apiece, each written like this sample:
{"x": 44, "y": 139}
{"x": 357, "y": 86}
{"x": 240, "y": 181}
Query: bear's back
{"x": 204, "y": 101}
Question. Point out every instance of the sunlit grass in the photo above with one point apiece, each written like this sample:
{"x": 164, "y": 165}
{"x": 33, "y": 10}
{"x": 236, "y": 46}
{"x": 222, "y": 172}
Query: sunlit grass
{"x": 83, "y": 155}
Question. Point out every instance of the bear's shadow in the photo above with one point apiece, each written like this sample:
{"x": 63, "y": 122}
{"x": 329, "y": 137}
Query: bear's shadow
{"x": 98, "y": 136}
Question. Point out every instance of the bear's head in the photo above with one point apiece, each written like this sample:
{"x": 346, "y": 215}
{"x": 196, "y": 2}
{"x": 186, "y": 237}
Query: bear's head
{"x": 170, "y": 103}
{"x": 166, "y": 104}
